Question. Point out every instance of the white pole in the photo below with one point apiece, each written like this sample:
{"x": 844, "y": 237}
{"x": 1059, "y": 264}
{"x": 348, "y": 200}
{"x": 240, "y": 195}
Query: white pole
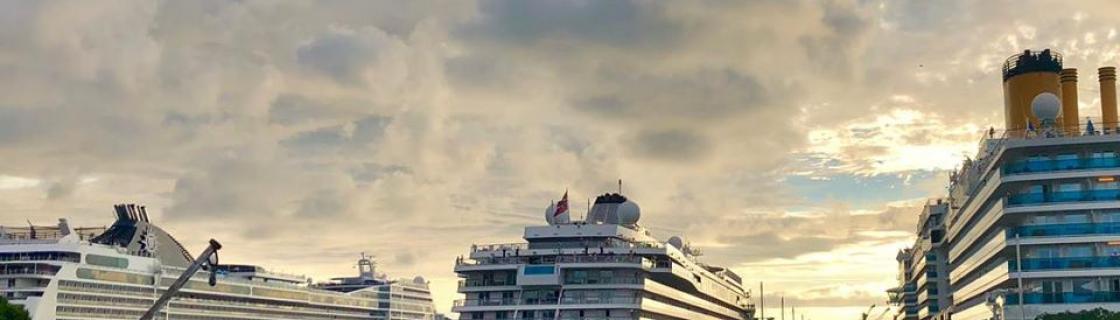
{"x": 1019, "y": 266}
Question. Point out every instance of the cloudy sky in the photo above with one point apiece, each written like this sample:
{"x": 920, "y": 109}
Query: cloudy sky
{"x": 792, "y": 140}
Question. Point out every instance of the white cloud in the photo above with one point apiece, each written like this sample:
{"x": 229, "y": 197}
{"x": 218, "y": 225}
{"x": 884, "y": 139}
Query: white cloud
{"x": 897, "y": 140}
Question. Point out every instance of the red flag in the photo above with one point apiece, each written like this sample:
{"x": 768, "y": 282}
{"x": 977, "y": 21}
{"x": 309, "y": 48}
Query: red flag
{"x": 562, "y": 206}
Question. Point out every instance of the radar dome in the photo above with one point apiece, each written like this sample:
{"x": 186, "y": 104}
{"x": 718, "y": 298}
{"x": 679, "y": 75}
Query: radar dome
{"x": 419, "y": 280}
{"x": 676, "y": 241}
{"x": 629, "y": 213}
{"x": 1046, "y": 106}
{"x": 548, "y": 213}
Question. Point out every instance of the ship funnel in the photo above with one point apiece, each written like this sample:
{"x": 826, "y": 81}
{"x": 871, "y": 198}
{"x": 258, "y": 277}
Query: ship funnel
{"x": 1027, "y": 76}
{"x": 1108, "y": 97}
{"x": 1069, "y": 100}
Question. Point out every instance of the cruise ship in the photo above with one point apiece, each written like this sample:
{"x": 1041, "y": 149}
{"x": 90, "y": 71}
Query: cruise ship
{"x": 59, "y": 272}
{"x": 1032, "y": 225}
{"x": 605, "y": 267}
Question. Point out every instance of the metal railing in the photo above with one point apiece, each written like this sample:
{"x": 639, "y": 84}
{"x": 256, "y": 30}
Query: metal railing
{"x": 1065, "y": 229}
{"x": 563, "y": 301}
{"x": 1063, "y": 196}
{"x": 1033, "y": 264}
{"x": 627, "y": 259}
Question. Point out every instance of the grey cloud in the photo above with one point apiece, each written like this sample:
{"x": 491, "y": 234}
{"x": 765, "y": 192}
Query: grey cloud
{"x": 705, "y": 94}
{"x": 478, "y": 70}
{"x": 764, "y": 237}
{"x": 671, "y": 145}
{"x": 769, "y": 245}
{"x": 289, "y": 109}
{"x": 61, "y": 189}
{"x": 324, "y": 203}
{"x": 607, "y": 23}
{"x": 343, "y": 55}
{"x": 371, "y": 172}
{"x": 370, "y": 129}
{"x": 318, "y": 140}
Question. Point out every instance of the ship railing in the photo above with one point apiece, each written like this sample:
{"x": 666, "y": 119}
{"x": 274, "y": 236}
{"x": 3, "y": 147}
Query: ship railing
{"x": 575, "y": 318}
{"x": 1098, "y": 128}
{"x": 564, "y": 300}
{"x": 499, "y": 247}
{"x": 556, "y": 259}
{"x": 171, "y": 272}
{"x": 28, "y": 269}
{"x": 632, "y": 280}
{"x": 511, "y": 248}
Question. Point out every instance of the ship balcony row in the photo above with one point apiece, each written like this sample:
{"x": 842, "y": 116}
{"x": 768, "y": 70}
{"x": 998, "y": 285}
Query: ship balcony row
{"x": 586, "y": 300}
{"x": 20, "y": 269}
{"x": 514, "y": 262}
{"x": 1063, "y": 196}
{"x": 1053, "y": 165}
{"x": 589, "y": 247}
{"x": 487, "y": 285}
{"x": 41, "y": 256}
{"x": 1063, "y": 297}
{"x": 1067, "y": 263}
{"x": 1065, "y": 229}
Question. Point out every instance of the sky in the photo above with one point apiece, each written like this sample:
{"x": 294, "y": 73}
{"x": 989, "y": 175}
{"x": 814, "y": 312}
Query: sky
{"x": 793, "y": 141}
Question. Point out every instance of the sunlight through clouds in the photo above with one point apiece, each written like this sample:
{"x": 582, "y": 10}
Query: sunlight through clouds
{"x": 897, "y": 141}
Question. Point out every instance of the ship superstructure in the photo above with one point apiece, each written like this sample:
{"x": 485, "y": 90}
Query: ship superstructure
{"x": 605, "y": 267}
{"x": 57, "y": 272}
{"x": 1033, "y": 224}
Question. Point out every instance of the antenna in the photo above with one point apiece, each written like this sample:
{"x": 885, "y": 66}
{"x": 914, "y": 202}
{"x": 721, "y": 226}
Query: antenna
{"x": 619, "y": 186}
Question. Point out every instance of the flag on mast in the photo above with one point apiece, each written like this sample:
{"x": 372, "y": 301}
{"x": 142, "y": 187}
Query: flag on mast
{"x": 561, "y": 215}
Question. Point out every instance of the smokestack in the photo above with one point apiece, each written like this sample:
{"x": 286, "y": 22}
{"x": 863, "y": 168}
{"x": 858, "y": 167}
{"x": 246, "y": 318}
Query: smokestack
{"x": 121, "y": 213}
{"x": 1108, "y": 97}
{"x": 1069, "y": 100}
{"x": 132, "y": 212}
{"x": 1025, "y": 77}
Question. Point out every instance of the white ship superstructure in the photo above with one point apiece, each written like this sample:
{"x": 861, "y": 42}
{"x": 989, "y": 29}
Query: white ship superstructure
{"x": 1032, "y": 223}
{"x": 118, "y": 272}
{"x": 606, "y": 267}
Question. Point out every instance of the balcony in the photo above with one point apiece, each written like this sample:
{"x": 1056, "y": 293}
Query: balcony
{"x": 484, "y": 283}
{"x": 28, "y": 269}
{"x": 556, "y": 260}
{"x": 563, "y": 301}
{"x": 1038, "y": 166}
{"x": 1064, "y": 297}
{"x": 1063, "y": 196}
{"x": 587, "y": 281}
{"x": 1068, "y": 229}
{"x": 1039, "y": 264}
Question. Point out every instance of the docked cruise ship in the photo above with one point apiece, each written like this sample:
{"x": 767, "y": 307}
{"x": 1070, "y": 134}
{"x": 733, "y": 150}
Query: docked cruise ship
{"x": 606, "y": 267}
{"x": 59, "y": 272}
{"x": 1032, "y": 224}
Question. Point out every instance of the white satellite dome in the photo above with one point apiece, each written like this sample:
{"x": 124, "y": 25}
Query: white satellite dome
{"x": 629, "y": 213}
{"x": 548, "y": 213}
{"x": 676, "y": 241}
{"x": 1046, "y": 106}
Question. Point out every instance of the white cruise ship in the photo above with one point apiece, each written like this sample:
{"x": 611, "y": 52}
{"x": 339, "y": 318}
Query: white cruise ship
{"x": 606, "y": 267}
{"x": 59, "y": 272}
{"x": 1031, "y": 225}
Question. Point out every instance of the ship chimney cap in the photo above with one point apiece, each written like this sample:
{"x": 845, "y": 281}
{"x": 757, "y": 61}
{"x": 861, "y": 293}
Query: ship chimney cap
{"x": 1032, "y": 61}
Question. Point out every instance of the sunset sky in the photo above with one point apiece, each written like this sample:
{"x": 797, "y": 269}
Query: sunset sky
{"x": 793, "y": 141}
